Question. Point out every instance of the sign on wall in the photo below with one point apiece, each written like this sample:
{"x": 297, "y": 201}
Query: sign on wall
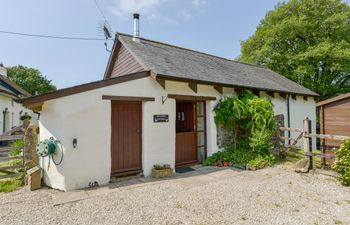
{"x": 160, "y": 118}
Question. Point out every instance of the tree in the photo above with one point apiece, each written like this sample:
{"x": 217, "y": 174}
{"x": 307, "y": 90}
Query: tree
{"x": 308, "y": 41}
{"x": 30, "y": 79}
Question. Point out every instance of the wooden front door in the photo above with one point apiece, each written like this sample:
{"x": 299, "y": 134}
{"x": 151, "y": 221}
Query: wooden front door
{"x": 126, "y": 137}
{"x": 186, "y": 152}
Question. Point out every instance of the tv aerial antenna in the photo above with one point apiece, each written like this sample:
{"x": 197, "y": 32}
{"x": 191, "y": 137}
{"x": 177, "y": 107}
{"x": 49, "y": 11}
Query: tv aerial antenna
{"x": 104, "y": 27}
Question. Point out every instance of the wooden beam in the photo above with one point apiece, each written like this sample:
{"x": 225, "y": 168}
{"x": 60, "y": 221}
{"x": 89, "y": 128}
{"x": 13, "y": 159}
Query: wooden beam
{"x": 36, "y": 107}
{"x": 283, "y": 95}
{"x": 161, "y": 82}
{"x": 256, "y": 92}
{"x": 239, "y": 91}
{"x": 270, "y": 93}
{"x": 193, "y": 86}
{"x": 10, "y": 175}
{"x": 291, "y": 129}
{"x": 219, "y": 89}
{"x": 192, "y": 98}
{"x": 10, "y": 138}
{"x": 127, "y": 98}
{"x": 327, "y": 136}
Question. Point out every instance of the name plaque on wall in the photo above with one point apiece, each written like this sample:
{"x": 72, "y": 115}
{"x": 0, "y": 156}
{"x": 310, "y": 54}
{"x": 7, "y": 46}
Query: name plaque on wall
{"x": 161, "y": 118}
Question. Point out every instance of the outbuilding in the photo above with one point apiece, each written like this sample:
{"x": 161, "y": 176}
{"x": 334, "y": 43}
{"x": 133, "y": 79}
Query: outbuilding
{"x": 334, "y": 119}
{"x": 153, "y": 106}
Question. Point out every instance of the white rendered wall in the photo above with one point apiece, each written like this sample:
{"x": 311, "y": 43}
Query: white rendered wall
{"x": 299, "y": 109}
{"x": 87, "y": 117}
{"x": 14, "y": 112}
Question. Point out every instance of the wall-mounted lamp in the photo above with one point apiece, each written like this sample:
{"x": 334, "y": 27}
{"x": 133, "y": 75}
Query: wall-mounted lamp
{"x": 75, "y": 142}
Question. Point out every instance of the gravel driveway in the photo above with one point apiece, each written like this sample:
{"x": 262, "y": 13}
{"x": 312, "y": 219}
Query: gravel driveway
{"x": 274, "y": 195}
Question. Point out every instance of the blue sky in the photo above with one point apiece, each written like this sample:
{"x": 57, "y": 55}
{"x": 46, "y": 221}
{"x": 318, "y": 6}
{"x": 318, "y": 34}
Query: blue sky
{"x": 212, "y": 26}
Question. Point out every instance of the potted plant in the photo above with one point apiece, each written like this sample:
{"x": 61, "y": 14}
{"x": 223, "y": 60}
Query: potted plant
{"x": 159, "y": 171}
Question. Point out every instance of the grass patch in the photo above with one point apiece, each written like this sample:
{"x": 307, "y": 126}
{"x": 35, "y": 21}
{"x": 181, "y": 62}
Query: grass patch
{"x": 11, "y": 184}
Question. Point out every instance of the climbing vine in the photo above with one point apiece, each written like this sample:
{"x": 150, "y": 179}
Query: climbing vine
{"x": 251, "y": 120}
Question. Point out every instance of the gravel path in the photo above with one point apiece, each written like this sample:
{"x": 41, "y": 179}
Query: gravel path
{"x": 274, "y": 195}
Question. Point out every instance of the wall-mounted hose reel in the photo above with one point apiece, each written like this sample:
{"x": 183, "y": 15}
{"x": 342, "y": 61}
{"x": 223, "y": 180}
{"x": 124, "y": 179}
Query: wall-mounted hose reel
{"x": 49, "y": 147}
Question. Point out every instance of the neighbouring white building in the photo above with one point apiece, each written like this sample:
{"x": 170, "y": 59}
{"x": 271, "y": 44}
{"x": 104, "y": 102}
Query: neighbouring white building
{"x": 154, "y": 106}
{"x": 11, "y": 108}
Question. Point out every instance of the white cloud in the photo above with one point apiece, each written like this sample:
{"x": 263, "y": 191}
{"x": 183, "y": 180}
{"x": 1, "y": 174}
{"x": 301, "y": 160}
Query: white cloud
{"x": 198, "y": 4}
{"x": 157, "y": 11}
{"x": 127, "y": 7}
{"x": 155, "y": 17}
{"x": 184, "y": 15}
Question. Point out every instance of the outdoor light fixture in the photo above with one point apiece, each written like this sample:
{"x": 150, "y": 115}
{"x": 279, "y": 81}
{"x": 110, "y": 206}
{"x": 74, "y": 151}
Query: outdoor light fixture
{"x": 75, "y": 142}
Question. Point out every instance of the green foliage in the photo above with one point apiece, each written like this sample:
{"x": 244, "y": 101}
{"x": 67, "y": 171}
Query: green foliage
{"x": 25, "y": 117}
{"x": 161, "y": 167}
{"x": 253, "y": 118}
{"x": 250, "y": 115}
{"x": 260, "y": 162}
{"x": 307, "y": 41}
{"x": 30, "y": 79}
{"x": 219, "y": 157}
{"x": 18, "y": 147}
{"x": 10, "y": 184}
{"x": 342, "y": 162}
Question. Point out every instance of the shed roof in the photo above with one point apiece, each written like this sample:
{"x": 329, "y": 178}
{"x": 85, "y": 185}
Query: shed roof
{"x": 335, "y": 99}
{"x": 167, "y": 60}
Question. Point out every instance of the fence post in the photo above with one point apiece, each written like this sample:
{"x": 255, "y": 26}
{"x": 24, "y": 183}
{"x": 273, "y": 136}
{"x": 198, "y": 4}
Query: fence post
{"x": 307, "y": 142}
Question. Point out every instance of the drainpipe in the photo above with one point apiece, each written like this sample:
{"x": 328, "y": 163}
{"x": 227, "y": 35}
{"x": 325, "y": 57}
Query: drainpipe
{"x": 4, "y": 120}
{"x": 288, "y": 116}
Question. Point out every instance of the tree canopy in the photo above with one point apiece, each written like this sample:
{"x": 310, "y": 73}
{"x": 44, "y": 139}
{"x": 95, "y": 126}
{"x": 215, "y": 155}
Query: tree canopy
{"x": 30, "y": 79}
{"x": 308, "y": 41}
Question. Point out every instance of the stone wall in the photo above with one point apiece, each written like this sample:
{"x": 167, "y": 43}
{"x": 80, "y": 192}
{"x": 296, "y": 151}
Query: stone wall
{"x": 224, "y": 137}
{"x": 279, "y": 120}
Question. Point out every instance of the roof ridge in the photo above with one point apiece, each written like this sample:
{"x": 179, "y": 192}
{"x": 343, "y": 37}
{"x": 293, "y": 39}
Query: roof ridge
{"x": 192, "y": 50}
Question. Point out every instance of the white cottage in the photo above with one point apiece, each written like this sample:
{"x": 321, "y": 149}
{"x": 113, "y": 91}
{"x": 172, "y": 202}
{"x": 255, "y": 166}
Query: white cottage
{"x": 10, "y": 106}
{"x": 153, "y": 106}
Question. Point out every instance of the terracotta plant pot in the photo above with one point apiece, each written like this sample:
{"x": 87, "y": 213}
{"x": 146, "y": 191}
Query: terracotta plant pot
{"x": 226, "y": 164}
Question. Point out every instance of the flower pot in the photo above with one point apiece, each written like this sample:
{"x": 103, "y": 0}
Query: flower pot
{"x": 160, "y": 173}
{"x": 226, "y": 164}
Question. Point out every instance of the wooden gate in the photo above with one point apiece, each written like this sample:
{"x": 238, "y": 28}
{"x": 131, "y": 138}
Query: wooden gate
{"x": 305, "y": 135}
{"x": 9, "y": 163}
{"x": 126, "y": 137}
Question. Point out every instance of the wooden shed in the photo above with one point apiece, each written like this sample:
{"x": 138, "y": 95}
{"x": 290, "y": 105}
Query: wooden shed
{"x": 334, "y": 119}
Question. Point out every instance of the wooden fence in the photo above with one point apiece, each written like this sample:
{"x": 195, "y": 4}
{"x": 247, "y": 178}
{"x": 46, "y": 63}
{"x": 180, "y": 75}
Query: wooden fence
{"x": 305, "y": 135}
{"x": 8, "y": 171}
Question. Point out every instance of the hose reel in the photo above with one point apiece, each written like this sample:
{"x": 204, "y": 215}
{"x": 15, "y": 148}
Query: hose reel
{"x": 48, "y": 147}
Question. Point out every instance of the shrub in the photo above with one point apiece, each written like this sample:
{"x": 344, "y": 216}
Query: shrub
{"x": 219, "y": 157}
{"x": 260, "y": 162}
{"x": 18, "y": 147}
{"x": 25, "y": 117}
{"x": 253, "y": 117}
{"x": 342, "y": 162}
